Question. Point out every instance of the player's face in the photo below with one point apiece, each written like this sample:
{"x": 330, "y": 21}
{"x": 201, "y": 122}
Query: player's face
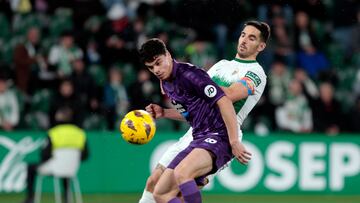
{"x": 161, "y": 67}
{"x": 250, "y": 44}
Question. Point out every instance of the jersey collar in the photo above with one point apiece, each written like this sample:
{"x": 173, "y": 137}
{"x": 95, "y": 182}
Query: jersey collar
{"x": 174, "y": 70}
{"x": 244, "y": 61}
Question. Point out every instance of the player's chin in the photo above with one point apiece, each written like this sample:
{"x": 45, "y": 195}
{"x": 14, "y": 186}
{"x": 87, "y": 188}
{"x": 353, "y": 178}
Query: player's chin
{"x": 162, "y": 77}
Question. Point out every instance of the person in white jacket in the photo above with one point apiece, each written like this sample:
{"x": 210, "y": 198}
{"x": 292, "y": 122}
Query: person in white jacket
{"x": 9, "y": 106}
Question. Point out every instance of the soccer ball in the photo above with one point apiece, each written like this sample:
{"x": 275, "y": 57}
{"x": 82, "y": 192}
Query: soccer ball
{"x": 138, "y": 127}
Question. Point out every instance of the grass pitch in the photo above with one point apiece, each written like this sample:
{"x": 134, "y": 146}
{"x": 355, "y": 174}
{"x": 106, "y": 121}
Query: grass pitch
{"x": 207, "y": 198}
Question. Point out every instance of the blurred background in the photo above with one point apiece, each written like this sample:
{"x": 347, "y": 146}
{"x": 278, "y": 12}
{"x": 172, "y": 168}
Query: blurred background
{"x": 82, "y": 54}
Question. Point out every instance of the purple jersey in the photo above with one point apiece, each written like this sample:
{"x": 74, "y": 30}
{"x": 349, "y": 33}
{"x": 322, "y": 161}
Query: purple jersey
{"x": 194, "y": 95}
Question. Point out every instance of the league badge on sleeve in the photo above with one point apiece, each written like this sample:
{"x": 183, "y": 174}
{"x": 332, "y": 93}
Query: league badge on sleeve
{"x": 210, "y": 91}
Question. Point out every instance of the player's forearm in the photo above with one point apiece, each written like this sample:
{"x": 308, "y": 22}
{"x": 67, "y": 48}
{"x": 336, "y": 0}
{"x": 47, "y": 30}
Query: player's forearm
{"x": 235, "y": 92}
{"x": 173, "y": 114}
{"x": 228, "y": 114}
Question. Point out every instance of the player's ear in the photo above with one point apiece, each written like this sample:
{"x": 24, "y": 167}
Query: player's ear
{"x": 261, "y": 46}
{"x": 168, "y": 55}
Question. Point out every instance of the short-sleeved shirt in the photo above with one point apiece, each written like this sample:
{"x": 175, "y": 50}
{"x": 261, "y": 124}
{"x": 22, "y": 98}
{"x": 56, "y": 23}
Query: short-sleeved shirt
{"x": 225, "y": 73}
{"x": 194, "y": 95}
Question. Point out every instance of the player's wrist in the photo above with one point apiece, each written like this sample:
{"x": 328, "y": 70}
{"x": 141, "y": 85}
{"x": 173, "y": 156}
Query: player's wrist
{"x": 162, "y": 113}
{"x": 234, "y": 142}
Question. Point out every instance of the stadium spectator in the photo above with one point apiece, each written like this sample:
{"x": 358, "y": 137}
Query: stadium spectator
{"x": 308, "y": 56}
{"x": 308, "y": 85}
{"x": 316, "y": 9}
{"x": 84, "y": 85}
{"x": 327, "y": 111}
{"x": 63, "y": 54}
{"x": 277, "y": 90}
{"x": 343, "y": 24}
{"x": 26, "y": 59}
{"x": 66, "y": 98}
{"x": 295, "y": 114}
{"x": 116, "y": 101}
{"x": 116, "y": 37}
{"x": 92, "y": 55}
{"x": 143, "y": 91}
{"x": 201, "y": 53}
{"x": 63, "y": 135}
{"x": 304, "y": 35}
{"x": 279, "y": 78}
{"x": 9, "y": 106}
{"x": 281, "y": 43}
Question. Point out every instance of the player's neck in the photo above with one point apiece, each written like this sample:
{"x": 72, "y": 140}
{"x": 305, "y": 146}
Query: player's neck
{"x": 249, "y": 58}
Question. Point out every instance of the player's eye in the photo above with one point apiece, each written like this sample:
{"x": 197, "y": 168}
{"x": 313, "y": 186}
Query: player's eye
{"x": 252, "y": 38}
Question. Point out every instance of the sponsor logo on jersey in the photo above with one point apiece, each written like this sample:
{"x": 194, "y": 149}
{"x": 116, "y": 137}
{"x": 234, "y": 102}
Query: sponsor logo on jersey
{"x": 180, "y": 108}
{"x": 235, "y": 72}
{"x": 210, "y": 91}
{"x": 255, "y": 78}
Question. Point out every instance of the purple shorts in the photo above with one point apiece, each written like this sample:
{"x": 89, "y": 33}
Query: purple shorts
{"x": 218, "y": 146}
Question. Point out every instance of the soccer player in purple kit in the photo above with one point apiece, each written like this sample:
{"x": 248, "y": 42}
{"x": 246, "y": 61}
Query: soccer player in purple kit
{"x": 209, "y": 112}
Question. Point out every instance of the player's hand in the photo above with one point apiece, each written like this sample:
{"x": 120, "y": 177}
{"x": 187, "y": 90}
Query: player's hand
{"x": 240, "y": 152}
{"x": 155, "y": 110}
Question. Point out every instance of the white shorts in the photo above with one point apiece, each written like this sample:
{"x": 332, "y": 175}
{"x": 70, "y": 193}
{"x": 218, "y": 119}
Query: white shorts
{"x": 180, "y": 145}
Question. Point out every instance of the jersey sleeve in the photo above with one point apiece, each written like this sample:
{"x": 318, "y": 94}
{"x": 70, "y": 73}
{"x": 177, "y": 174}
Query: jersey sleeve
{"x": 201, "y": 84}
{"x": 254, "y": 79}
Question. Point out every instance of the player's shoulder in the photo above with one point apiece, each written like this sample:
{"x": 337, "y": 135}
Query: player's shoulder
{"x": 185, "y": 64}
{"x": 256, "y": 68}
{"x": 219, "y": 65}
{"x": 189, "y": 71}
{"x": 256, "y": 73}
{"x": 222, "y": 63}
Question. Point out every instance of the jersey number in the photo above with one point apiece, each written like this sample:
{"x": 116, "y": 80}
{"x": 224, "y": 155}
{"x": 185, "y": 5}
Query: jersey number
{"x": 210, "y": 140}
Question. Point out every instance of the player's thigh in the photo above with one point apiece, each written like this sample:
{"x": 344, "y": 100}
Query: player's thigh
{"x": 176, "y": 148}
{"x": 167, "y": 184}
{"x": 197, "y": 163}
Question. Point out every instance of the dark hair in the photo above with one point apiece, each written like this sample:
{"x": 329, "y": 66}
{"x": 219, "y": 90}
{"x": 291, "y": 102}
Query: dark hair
{"x": 263, "y": 27}
{"x": 151, "y": 49}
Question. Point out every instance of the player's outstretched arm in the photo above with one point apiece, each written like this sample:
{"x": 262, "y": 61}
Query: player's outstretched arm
{"x": 157, "y": 112}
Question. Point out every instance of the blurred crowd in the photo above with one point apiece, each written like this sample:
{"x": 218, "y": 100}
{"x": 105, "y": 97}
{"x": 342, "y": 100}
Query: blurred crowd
{"x": 82, "y": 54}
